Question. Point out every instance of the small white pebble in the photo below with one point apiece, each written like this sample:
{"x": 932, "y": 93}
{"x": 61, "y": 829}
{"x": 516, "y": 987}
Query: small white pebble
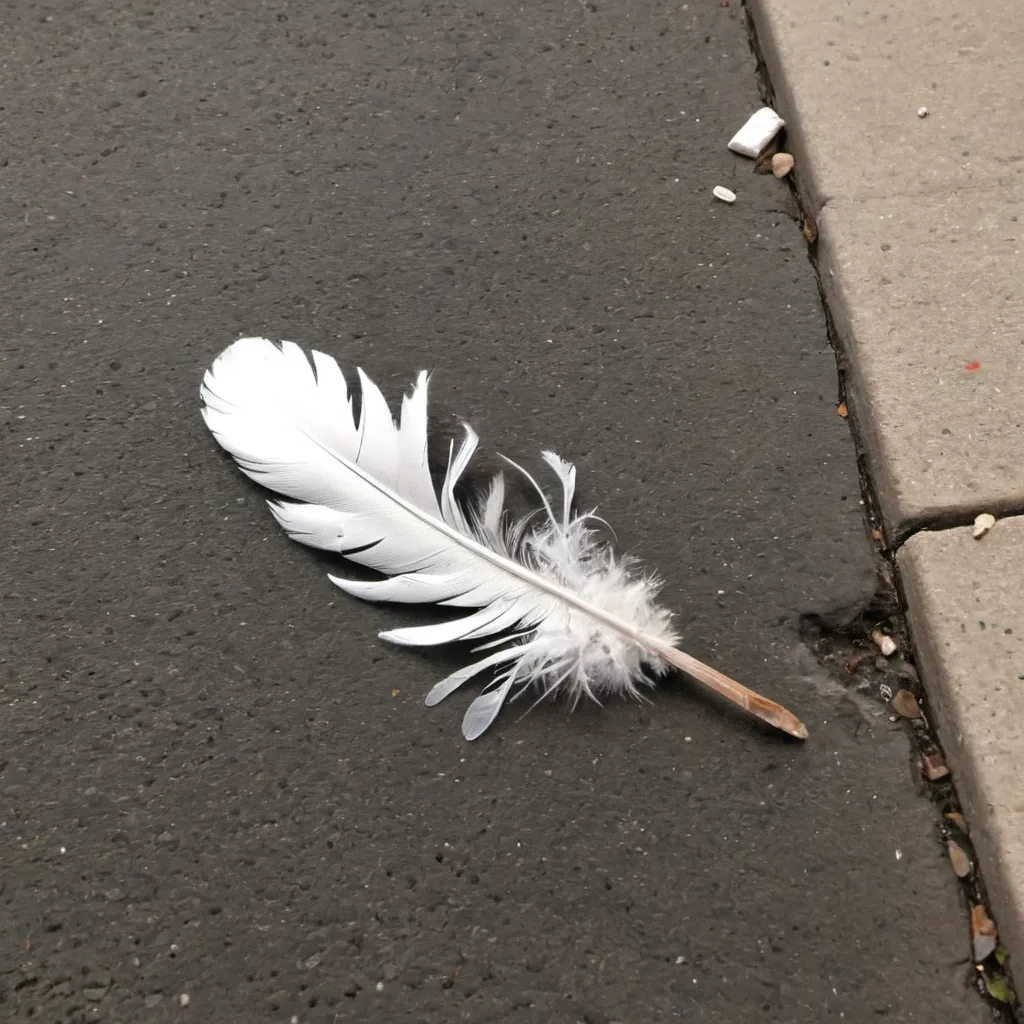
{"x": 721, "y": 192}
{"x": 761, "y": 127}
{"x": 899, "y": 855}
{"x": 922, "y": 111}
{"x": 184, "y": 999}
{"x": 983, "y": 524}
{"x": 380, "y": 986}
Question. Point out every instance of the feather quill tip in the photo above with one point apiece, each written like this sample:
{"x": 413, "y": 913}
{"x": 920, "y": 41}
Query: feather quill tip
{"x": 786, "y": 721}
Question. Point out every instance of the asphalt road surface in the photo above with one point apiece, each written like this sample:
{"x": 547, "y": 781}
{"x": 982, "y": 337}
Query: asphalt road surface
{"x": 218, "y": 787}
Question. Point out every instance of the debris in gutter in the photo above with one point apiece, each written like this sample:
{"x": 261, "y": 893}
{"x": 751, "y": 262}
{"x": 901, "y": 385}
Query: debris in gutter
{"x": 762, "y": 126}
{"x": 904, "y": 703}
{"x": 983, "y": 524}
{"x": 884, "y": 642}
{"x": 782, "y": 164}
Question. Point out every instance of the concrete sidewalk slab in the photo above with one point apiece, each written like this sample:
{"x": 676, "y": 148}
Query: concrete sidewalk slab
{"x": 966, "y": 613}
{"x": 927, "y": 297}
{"x": 919, "y": 236}
{"x": 851, "y": 76}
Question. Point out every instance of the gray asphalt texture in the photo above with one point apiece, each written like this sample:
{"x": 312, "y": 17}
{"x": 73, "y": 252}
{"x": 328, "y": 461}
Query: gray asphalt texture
{"x": 216, "y": 782}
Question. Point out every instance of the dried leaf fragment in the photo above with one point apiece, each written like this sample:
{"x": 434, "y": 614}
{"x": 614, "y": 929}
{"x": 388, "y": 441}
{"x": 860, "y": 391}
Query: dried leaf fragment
{"x": 983, "y": 933}
{"x": 998, "y": 987}
{"x": 853, "y": 662}
{"x": 958, "y": 819}
{"x": 905, "y": 703}
{"x": 810, "y": 229}
{"x": 981, "y": 923}
{"x": 959, "y": 859}
{"x": 935, "y": 767}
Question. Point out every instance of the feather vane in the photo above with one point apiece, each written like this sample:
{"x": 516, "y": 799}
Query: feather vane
{"x": 561, "y": 613}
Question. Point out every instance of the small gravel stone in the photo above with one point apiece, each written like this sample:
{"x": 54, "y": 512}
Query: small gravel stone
{"x": 782, "y": 164}
{"x": 983, "y": 524}
{"x": 885, "y": 643}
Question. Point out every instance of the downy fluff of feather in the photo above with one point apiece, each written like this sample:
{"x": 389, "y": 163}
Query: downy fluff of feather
{"x": 571, "y": 619}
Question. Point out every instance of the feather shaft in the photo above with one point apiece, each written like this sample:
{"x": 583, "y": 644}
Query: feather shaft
{"x": 500, "y": 561}
{"x": 754, "y": 703}
{"x": 749, "y": 700}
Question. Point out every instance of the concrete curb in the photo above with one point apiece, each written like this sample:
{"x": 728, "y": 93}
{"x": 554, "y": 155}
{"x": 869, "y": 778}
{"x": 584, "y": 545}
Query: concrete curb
{"x": 965, "y": 618}
{"x": 900, "y": 117}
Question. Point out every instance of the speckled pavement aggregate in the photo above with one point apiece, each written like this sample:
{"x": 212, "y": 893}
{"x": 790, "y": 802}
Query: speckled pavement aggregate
{"x": 216, "y": 785}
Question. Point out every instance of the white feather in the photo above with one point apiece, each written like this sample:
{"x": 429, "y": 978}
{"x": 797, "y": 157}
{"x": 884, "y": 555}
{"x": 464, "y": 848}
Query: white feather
{"x": 574, "y": 619}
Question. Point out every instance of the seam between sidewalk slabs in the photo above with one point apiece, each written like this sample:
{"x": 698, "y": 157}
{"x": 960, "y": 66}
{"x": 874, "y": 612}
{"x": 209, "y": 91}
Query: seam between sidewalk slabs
{"x": 973, "y": 886}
